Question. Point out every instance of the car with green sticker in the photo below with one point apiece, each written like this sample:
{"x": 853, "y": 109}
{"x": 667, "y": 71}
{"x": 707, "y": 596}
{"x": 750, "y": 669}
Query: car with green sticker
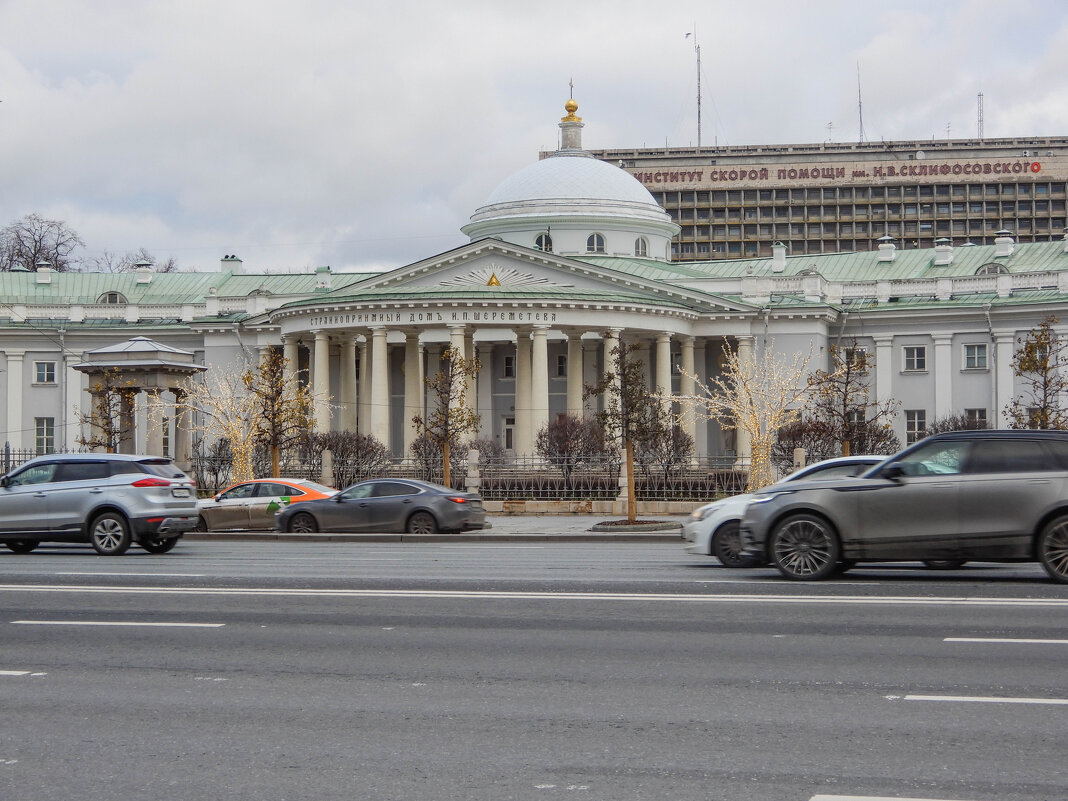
{"x": 253, "y": 504}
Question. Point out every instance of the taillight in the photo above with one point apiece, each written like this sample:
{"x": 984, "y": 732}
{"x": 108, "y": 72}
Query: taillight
{"x": 458, "y": 500}
{"x": 151, "y": 482}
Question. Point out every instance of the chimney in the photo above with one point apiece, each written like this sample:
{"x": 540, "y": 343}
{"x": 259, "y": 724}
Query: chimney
{"x": 886, "y": 248}
{"x": 778, "y": 257}
{"x": 44, "y": 272}
{"x": 233, "y": 264}
{"x": 143, "y": 270}
{"x": 1003, "y": 243}
{"x": 322, "y": 278}
{"x": 943, "y": 252}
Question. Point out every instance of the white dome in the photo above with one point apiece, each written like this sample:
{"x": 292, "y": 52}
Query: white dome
{"x": 569, "y": 177}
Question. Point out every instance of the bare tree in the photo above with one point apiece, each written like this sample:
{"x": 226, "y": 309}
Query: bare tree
{"x": 32, "y": 239}
{"x": 631, "y": 412}
{"x": 759, "y": 396}
{"x": 1040, "y": 361}
{"x": 282, "y": 408}
{"x": 570, "y": 442}
{"x": 108, "y": 262}
{"x": 958, "y": 421}
{"x": 451, "y": 419}
{"x": 220, "y": 407}
{"x": 112, "y": 397}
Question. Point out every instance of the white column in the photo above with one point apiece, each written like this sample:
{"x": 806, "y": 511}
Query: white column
{"x": 943, "y": 370}
{"x": 68, "y": 440}
{"x": 524, "y": 438}
{"x": 471, "y": 390}
{"x": 701, "y": 419}
{"x": 363, "y": 393}
{"x": 153, "y": 422}
{"x": 380, "y": 387}
{"x": 539, "y": 383}
{"x": 611, "y": 358}
{"x": 574, "y": 374}
{"x": 127, "y": 425}
{"x": 291, "y": 353}
{"x": 1005, "y": 379}
{"x": 745, "y": 448}
{"x": 15, "y": 390}
{"x": 413, "y": 387}
{"x": 321, "y": 381}
{"x": 687, "y": 388}
{"x": 485, "y": 390}
{"x": 183, "y": 430}
{"x": 347, "y": 391}
{"x": 590, "y": 375}
{"x": 663, "y": 369}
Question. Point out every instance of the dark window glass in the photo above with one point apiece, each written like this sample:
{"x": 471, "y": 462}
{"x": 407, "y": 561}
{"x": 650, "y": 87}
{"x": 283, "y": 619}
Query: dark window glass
{"x": 1009, "y": 456}
{"x": 387, "y": 488}
{"x": 81, "y": 471}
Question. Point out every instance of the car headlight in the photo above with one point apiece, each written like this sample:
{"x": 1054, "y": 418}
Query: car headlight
{"x": 704, "y": 511}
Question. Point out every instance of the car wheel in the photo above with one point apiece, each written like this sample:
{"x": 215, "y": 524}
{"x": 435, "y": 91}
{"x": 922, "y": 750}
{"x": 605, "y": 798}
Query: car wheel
{"x": 159, "y": 545}
{"x": 303, "y": 523}
{"x": 805, "y": 548}
{"x": 110, "y": 534}
{"x": 1053, "y": 549}
{"x": 202, "y": 524}
{"x": 21, "y": 546}
{"x": 944, "y": 564}
{"x": 422, "y": 523}
{"x": 727, "y": 546}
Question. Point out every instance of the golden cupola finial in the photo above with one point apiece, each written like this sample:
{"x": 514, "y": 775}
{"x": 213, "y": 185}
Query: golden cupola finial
{"x": 571, "y": 107}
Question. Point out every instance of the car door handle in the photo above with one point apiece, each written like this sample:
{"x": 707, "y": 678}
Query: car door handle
{"x": 96, "y": 490}
{"x": 40, "y": 495}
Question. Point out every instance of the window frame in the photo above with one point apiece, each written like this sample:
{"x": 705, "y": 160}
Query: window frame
{"x": 595, "y": 243}
{"x": 44, "y": 435}
{"x": 915, "y": 425}
{"x": 49, "y": 368}
{"x": 978, "y": 347}
{"x": 917, "y": 358}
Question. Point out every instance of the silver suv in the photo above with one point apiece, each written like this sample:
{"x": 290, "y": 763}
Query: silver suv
{"x": 994, "y": 496}
{"x": 106, "y": 499}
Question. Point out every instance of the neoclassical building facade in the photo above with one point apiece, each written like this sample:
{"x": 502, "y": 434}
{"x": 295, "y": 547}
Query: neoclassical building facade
{"x": 567, "y": 257}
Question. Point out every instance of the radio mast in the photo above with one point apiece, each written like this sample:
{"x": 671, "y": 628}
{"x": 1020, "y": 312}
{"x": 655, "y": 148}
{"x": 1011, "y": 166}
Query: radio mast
{"x": 860, "y": 106}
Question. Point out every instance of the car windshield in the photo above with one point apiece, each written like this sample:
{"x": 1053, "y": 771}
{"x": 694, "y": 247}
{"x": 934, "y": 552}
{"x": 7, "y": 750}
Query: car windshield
{"x": 934, "y": 459}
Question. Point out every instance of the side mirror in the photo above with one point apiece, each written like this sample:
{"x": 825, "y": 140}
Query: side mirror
{"x": 893, "y": 472}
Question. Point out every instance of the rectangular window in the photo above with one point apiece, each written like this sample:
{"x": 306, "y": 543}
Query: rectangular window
{"x": 166, "y": 423}
{"x": 915, "y": 425}
{"x": 976, "y": 417}
{"x": 856, "y": 357}
{"x": 509, "y": 367}
{"x": 915, "y": 358}
{"x": 975, "y": 357}
{"x": 561, "y": 365}
{"x": 44, "y": 372}
{"x": 44, "y": 435}
{"x": 676, "y": 363}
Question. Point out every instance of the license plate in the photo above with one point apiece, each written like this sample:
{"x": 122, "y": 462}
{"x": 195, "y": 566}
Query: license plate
{"x": 180, "y": 492}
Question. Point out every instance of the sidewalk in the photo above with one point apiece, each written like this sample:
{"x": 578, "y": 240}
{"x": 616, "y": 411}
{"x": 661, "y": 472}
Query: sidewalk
{"x": 525, "y": 528}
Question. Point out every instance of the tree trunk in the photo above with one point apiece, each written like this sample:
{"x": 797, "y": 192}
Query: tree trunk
{"x": 632, "y": 502}
{"x": 445, "y": 468}
{"x": 275, "y": 461}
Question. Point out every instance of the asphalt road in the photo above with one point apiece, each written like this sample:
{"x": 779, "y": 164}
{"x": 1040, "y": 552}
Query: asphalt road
{"x": 522, "y": 671}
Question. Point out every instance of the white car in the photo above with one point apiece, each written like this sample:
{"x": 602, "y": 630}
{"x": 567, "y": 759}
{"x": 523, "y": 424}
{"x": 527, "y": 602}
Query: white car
{"x": 713, "y": 528}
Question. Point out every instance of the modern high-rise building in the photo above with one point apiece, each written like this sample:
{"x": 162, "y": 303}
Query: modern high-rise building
{"x": 737, "y": 201}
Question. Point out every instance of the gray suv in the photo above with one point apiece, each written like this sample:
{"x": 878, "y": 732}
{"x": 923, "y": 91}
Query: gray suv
{"x": 106, "y": 499}
{"x": 995, "y": 496}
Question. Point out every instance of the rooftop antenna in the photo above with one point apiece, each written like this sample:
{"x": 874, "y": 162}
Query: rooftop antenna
{"x": 830, "y": 130}
{"x": 980, "y": 116}
{"x": 697, "y": 49}
{"x": 860, "y": 106}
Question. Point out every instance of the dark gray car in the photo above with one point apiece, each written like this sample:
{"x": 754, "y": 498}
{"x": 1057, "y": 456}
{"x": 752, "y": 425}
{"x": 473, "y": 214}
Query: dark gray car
{"x": 967, "y": 495}
{"x": 106, "y": 499}
{"x": 387, "y": 505}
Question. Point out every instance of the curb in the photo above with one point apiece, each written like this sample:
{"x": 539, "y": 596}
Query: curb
{"x": 659, "y": 535}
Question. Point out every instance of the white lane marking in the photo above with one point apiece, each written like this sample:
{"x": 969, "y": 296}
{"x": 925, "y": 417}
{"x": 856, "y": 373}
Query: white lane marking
{"x": 14, "y": 673}
{"x": 1006, "y": 640}
{"x": 980, "y": 699}
{"x": 822, "y": 797}
{"x": 764, "y": 582}
{"x": 102, "y": 573}
{"x": 117, "y": 623}
{"x": 860, "y": 600}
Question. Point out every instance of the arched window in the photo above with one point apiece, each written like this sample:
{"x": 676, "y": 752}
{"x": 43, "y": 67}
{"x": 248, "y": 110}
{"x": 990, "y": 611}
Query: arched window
{"x": 544, "y": 242}
{"x": 112, "y": 299}
{"x": 641, "y": 246}
{"x": 992, "y": 268}
{"x": 595, "y": 243}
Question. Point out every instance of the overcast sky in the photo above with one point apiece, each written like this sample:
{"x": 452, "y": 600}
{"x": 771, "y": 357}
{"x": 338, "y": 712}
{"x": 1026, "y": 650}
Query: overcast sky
{"x": 362, "y": 134}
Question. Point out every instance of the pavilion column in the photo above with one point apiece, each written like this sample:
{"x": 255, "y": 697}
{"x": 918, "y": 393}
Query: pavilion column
{"x": 574, "y": 374}
{"x": 485, "y": 390}
{"x": 153, "y": 422}
{"x": 700, "y": 418}
{"x": 611, "y": 358}
{"x": 380, "y": 387}
{"x": 539, "y": 383}
{"x": 363, "y": 395}
{"x": 687, "y": 389}
{"x": 347, "y": 390}
{"x": 413, "y": 387}
{"x": 943, "y": 375}
{"x": 884, "y": 367}
{"x": 663, "y": 369}
{"x": 321, "y": 382}
{"x": 471, "y": 390}
{"x": 291, "y": 353}
{"x": 72, "y": 427}
{"x": 745, "y": 447}
{"x": 524, "y": 438}
{"x": 590, "y": 374}
{"x": 183, "y": 430}
{"x": 15, "y": 393}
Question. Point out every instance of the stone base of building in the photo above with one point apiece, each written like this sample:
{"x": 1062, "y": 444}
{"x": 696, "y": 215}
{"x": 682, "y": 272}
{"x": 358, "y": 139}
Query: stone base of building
{"x": 608, "y": 508}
